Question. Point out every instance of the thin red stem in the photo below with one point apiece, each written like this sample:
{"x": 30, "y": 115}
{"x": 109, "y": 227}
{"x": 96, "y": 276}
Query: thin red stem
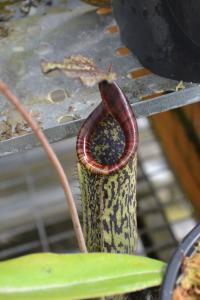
{"x": 54, "y": 160}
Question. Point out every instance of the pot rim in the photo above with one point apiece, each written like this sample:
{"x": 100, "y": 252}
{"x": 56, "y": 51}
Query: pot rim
{"x": 185, "y": 248}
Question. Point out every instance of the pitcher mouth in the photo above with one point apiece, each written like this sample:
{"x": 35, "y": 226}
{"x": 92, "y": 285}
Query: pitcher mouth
{"x": 114, "y": 103}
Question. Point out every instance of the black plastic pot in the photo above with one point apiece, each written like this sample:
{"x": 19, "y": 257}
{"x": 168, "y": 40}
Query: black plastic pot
{"x": 163, "y": 34}
{"x": 186, "y": 248}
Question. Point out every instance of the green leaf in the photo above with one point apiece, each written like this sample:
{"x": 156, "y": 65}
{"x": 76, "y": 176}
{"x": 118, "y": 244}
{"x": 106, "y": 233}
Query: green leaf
{"x": 76, "y": 276}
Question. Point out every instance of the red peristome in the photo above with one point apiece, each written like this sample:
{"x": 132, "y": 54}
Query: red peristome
{"x": 115, "y": 103}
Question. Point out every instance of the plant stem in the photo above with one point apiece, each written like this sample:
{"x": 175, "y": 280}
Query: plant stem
{"x": 54, "y": 160}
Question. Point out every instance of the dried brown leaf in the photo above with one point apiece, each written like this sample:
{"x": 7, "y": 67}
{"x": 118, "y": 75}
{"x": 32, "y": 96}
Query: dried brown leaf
{"x": 15, "y": 125}
{"x": 79, "y": 66}
{"x": 3, "y": 32}
{"x": 99, "y": 2}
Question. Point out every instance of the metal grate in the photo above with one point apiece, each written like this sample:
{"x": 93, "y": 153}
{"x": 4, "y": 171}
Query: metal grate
{"x": 164, "y": 214}
{"x": 34, "y": 215}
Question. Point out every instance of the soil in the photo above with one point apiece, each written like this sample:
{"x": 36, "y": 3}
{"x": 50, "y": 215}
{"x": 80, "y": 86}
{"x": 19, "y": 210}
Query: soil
{"x": 188, "y": 284}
